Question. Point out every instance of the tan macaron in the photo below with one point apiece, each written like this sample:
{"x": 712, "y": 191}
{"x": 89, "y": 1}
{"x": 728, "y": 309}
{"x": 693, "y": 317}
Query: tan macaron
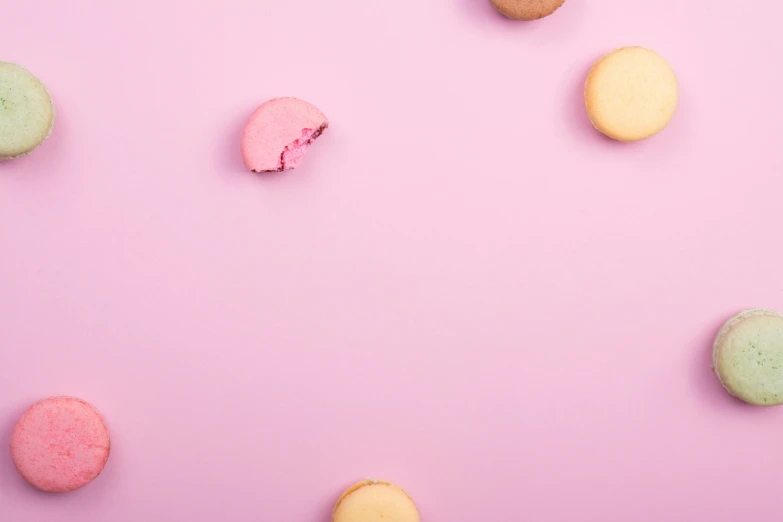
{"x": 375, "y": 501}
{"x": 26, "y": 111}
{"x": 526, "y": 9}
{"x": 631, "y": 94}
{"x": 747, "y": 356}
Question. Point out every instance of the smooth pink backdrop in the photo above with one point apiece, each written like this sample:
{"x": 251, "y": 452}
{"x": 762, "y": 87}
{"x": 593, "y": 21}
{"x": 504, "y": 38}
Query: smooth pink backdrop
{"x": 465, "y": 289}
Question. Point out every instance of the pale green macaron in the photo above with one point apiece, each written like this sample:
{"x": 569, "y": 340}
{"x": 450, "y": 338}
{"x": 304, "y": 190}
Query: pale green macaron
{"x": 26, "y": 111}
{"x": 748, "y": 356}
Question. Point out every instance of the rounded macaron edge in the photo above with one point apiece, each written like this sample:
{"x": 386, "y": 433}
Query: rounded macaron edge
{"x": 246, "y": 150}
{"x": 51, "y": 123}
{"x": 720, "y": 337}
{"x": 589, "y": 104}
{"x": 30, "y": 409}
{"x": 510, "y": 13}
{"x": 363, "y": 483}
{"x": 587, "y": 93}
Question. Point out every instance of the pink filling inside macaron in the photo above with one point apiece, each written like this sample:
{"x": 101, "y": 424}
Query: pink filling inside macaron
{"x": 278, "y": 134}
{"x": 294, "y": 152}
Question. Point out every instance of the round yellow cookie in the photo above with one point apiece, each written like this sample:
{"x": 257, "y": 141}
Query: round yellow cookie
{"x": 375, "y": 501}
{"x": 26, "y": 111}
{"x": 631, "y": 94}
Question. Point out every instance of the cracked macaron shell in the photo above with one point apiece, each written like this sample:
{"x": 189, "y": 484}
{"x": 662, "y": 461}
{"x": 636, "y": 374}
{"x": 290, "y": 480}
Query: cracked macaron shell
{"x": 274, "y": 127}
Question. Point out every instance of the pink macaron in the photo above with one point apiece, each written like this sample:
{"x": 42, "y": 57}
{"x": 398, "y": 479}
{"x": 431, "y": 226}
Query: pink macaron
{"x": 278, "y": 133}
{"x": 60, "y": 444}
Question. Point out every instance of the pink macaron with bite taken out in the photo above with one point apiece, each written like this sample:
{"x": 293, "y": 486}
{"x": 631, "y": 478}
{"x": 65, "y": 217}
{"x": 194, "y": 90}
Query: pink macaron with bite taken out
{"x": 60, "y": 444}
{"x": 278, "y": 133}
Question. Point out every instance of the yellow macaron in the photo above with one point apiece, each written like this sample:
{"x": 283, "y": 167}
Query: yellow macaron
{"x": 631, "y": 94}
{"x": 375, "y": 501}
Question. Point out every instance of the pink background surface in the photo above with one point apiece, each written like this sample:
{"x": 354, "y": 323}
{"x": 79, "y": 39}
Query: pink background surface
{"x": 465, "y": 289}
